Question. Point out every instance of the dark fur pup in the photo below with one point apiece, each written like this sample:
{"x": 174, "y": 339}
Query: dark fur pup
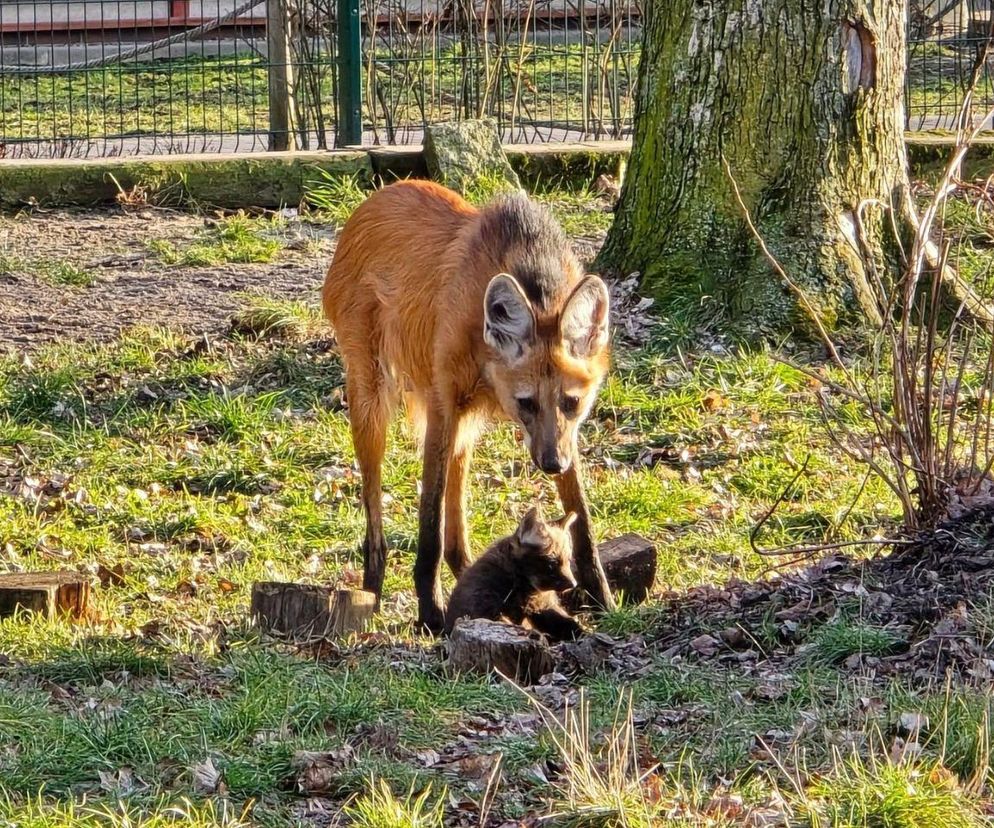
{"x": 518, "y": 578}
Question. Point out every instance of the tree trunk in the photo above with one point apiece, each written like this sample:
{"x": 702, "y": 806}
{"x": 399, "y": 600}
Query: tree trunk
{"x": 804, "y": 102}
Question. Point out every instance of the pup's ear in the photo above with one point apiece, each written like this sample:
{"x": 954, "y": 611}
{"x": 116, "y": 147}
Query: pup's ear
{"x": 566, "y": 521}
{"x": 531, "y": 529}
{"x": 584, "y": 321}
{"x": 508, "y": 319}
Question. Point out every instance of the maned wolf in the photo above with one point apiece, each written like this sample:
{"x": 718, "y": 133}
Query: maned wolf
{"x": 470, "y": 314}
{"x": 518, "y": 578}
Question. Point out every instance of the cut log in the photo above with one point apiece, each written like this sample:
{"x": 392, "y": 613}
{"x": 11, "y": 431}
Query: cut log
{"x": 481, "y": 646}
{"x": 630, "y": 566}
{"x": 307, "y": 612}
{"x": 47, "y": 593}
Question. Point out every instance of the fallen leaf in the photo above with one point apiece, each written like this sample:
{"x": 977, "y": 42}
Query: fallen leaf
{"x": 428, "y": 757}
{"x": 206, "y": 777}
{"x": 186, "y": 589}
{"x": 912, "y": 724}
{"x": 318, "y": 771}
{"x": 120, "y": 782}
{"x": 113, "y": 576}
{"x": 713, "y": 401}
{"x": 725, "y": 806}
{"x": 705, "y": 644}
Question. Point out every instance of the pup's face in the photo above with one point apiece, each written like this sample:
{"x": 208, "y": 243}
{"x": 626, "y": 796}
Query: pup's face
{"x": 544, "y": 551}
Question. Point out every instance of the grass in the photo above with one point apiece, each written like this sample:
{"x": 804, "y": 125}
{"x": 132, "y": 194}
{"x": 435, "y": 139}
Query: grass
{"x": 265, "y": 317}
{"x": 240, "y": 468}
{"x": 203, "y": 95}
{"x": 41, "y": 813}
{"x": 195, "y": 472}
{"x": 838, "y": 640}
{"x": 229, "y": 94}
{"x": 237, "y": 239}
{"x": 891, "y": 795}
{"x": 380, "y": 808}
{"x": 605, "y": 788}
{"x": 334, "y": 197}
{"x": 57, "y": 272}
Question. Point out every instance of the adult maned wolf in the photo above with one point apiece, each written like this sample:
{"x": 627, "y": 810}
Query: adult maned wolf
{"x": 469, "y": 314}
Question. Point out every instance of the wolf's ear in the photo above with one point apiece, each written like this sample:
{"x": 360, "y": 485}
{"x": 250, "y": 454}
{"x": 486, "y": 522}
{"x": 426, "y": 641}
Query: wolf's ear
{"x": 508, "y": 319}
{"x": 566, "y": 521}
{"x": 583, "y": 324}
{"x": 530, "y": 529}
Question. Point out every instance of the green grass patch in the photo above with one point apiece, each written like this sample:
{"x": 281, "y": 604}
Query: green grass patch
{"x": 863, "y": 793}
{"x": 57, "y": 272}
{"x": 266, "y": 317}
{"x": 39, "y": 812}
{"x": 380, "y": 808}
{"x": 237, "y": 239}
{"x": 836, "y": 641}
{"x": 335, "y": 197}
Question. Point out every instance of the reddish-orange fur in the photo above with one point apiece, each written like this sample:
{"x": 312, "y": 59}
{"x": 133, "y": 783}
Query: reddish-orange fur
{"x": 405, "y": 294}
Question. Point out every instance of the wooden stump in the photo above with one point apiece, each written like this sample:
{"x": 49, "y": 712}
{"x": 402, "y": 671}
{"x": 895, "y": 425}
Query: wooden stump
{"x": 482, "y": 646}
{"x": 47, "y": 593}
{"x": 307, "y": 612}
{"x": 630, "y": 566}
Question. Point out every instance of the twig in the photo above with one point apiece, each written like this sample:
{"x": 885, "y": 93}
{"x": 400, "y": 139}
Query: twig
{"x": 804, "y": 552}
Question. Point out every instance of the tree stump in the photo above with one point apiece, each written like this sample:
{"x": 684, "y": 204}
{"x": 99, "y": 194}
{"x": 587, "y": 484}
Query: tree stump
{"x": 46, "y": 593}
{"x": 307, "y": 612}
{"x": 481, "y": 646}
{"x": 629, "y": 564}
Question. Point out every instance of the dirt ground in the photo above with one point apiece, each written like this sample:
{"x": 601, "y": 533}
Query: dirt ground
{"x": 132, "y": 286}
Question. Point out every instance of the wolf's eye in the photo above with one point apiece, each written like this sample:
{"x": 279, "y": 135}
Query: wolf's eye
{"x": 527, "y": 405}
{"x": 570, "y": 405}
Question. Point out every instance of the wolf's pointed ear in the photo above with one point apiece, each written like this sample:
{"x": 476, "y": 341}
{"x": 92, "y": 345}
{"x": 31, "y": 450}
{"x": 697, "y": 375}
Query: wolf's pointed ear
{"x": 583, "y": 324}
{"x": 529, "y": 530}
{"x": 508, "y": 319}
{"x": 566, "y": 521}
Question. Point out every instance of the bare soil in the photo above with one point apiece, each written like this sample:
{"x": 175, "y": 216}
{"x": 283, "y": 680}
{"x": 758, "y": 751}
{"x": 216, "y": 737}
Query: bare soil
{"x": 132, "y": 285}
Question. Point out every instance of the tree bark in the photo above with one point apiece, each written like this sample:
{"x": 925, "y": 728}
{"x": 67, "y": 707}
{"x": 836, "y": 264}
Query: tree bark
{"x": 804, "y": 102}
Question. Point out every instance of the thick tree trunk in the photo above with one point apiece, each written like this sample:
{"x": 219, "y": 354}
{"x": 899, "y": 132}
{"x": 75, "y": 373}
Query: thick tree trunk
{"x": 804, "y": 102}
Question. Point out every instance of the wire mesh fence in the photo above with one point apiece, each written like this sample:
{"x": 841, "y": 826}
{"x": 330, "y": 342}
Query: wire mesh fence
{"x": 947, "y": 43}
{"x": 123, "y": 77}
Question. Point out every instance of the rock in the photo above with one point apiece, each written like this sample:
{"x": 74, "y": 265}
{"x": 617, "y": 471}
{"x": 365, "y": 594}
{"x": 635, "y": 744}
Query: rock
{"x": 460, "y": 154}
{"x": 481, "y": 646}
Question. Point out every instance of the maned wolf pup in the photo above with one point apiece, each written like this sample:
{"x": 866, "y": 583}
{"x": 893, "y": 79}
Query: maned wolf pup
{"x": 472, "y": 314}
{"x": 518, "y": 577}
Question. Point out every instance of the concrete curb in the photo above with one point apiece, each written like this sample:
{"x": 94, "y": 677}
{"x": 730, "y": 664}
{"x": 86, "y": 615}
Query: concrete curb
{"x": 280, "y": 178}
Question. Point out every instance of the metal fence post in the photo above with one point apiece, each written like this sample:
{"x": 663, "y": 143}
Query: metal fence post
{"x": 281, "y": 131}
{"x": 349, "y": 74}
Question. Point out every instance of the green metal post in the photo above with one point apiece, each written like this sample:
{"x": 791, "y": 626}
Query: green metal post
{"x": 349, "y": 74}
